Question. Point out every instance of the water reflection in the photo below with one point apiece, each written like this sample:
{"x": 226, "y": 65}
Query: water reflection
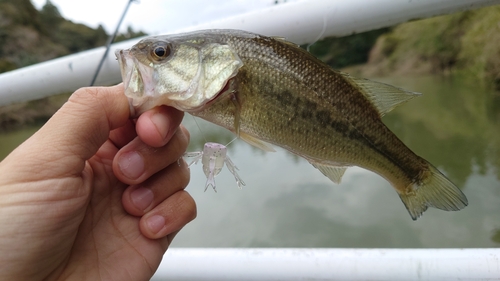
{"x": 11, "y": 139}
{"x": 452, "y": 125}
{"x": 288, "y": 203}
{"x": 496, "y": 236}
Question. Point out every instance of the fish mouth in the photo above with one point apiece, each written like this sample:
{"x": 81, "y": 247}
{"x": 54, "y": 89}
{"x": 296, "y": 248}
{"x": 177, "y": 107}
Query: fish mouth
{"x": 137, "y": 79}
{"x": 125, "y": 60}
{"x": 132, "y": 80}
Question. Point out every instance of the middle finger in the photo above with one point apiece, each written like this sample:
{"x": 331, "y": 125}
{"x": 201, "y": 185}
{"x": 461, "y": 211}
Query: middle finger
{"x": 137, "y": 161}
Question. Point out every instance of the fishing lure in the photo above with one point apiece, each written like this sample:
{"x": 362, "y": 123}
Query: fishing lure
{"x": 213, "y": 156}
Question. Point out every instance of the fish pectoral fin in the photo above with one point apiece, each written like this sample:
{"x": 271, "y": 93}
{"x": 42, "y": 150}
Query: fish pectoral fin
{"x": 334, "y": 173}
{"x": 383, "y": 96}
{"x": 256, "y": 142}
{"x": 435, "y": 191}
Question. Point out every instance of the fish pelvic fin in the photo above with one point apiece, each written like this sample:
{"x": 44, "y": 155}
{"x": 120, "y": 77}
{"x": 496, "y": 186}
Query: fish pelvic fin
{"x": 334, "y": 173}
{"x": 436, "y": 191}
{"x": 383, "y": 96}
{"x": 256, "y": 142}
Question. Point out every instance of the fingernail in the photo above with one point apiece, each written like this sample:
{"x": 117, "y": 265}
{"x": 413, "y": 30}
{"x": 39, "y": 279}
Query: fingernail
{"x": 131, "y": 164}
{"x": 161, "y": 123}
{"x": 155, "y": 223}
{"x": 142, "y": 198}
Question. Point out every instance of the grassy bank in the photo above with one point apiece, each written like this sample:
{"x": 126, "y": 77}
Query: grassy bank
{"x": 32, "y": 112}
{"x": 464, "y": 44}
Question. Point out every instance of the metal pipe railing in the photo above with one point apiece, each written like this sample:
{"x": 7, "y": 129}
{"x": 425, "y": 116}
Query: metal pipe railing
{"x": 329, "y": 264}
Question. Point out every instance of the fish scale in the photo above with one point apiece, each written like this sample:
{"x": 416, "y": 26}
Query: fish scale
{"x": 268, "y": 90}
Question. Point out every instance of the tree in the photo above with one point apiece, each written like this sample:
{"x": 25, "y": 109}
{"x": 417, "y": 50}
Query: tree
{"x": 50, "y": 17}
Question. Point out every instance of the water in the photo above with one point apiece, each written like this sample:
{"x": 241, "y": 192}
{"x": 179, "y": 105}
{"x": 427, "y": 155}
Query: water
{"x": 288, "y": 203}
{"x": 9, "y": 141}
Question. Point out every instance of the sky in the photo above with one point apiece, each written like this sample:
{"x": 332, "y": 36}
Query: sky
{"x": 151, "y": 16}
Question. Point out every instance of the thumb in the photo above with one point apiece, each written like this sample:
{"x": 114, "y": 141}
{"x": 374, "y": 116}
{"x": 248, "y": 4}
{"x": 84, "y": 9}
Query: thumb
{"x": 74, "y": 133}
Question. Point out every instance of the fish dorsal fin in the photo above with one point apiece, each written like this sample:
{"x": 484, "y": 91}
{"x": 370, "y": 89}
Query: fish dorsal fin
{"x": 257, "y": 143}
{"x": 283, "y": 39}
{"x": 383, "y": 96}
{"x": 334, "y": 173}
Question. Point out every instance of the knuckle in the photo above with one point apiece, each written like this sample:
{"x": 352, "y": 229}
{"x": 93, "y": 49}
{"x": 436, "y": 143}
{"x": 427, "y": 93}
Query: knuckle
{"x": 186, "y": 133}
{"x": 85, "y": 93}
{"x": 186, "y": 174}
{"x": 179, "y": 175}
{"x": 188, "y": 205}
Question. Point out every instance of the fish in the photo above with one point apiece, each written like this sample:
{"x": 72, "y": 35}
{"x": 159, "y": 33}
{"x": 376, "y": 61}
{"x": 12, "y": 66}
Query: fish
{"x": 269, "y": 91}
{"x": 213, "y": 157}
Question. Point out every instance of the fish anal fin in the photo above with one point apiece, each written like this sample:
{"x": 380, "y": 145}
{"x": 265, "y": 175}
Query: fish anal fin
{"x": 334, "y": 173}
{"x": 383, "y": 96}
{"x": 436, "y": 191}
{"x": 256, "y": 142}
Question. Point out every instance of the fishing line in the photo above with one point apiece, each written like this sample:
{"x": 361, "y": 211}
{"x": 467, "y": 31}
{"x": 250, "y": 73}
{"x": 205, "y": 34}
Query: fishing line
{"x": 199, "y": 128}
{"x": 320, "y": 34}
{"x": 203, "y": 134}
{"x": 235, "y": 138}
{"x": 108, "y": 43}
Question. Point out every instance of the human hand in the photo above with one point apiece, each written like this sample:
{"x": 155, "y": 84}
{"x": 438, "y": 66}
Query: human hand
{"x": 93, "y": 195}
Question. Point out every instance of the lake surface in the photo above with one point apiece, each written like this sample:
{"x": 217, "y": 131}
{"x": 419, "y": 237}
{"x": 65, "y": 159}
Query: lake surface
{"x": 288, "y": 203}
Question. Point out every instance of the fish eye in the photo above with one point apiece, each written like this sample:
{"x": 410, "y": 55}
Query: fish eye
{"x": 161, "y": 52}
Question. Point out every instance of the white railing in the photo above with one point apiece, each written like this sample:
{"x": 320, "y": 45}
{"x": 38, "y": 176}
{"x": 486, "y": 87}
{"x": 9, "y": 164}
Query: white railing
{"x": 329, "y": 264}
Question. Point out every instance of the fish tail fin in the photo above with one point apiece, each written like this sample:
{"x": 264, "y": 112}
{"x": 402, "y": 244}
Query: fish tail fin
{"x": 436, "y": 191}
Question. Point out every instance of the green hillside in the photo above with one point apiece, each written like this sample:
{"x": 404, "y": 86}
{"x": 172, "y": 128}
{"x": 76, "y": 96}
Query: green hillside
{"x": 29, "y": 36}
{"x": 464, "y": 44}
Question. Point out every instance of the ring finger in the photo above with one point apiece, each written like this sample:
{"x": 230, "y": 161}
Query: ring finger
{"x": 140, "y": 199}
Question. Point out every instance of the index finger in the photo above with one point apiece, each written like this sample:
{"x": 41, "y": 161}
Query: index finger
{"x": 156, "y": 127}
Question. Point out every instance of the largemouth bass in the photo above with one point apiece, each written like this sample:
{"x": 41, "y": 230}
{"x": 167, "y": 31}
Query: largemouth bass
{"x": 268, "y": 90}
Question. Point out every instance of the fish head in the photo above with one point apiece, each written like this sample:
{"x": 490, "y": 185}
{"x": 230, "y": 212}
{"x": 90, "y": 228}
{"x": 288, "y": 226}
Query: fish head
{"x": 183, "y": 71}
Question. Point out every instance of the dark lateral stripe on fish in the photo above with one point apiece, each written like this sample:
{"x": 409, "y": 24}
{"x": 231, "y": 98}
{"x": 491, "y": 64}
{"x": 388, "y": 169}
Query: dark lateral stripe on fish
{"x": 306, "y": 109}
